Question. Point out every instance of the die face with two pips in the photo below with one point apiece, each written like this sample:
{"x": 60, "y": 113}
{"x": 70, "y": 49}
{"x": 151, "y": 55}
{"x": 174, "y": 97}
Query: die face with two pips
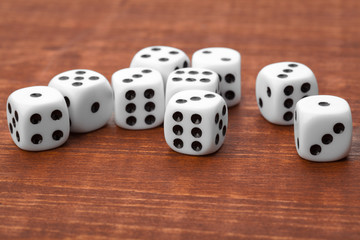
{"x": 279, "y": 86}
{"x": 38, "y": 118}
{"x": 139, "y": 98}
{"x": 227, "y": 63}
{"x": 195, "y": 122}
{"x": 162, "y": 58}
{"x": 89, "y": 98}
{"x": 191, "y": 79}
{"x": 323, "y": 128}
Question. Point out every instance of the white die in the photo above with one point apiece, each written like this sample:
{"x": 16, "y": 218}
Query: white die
{"x": 139, "y": 98}
{"x": 162, "y": 58}
{"x": 89, "y": 97}
{"x": 278, "y": 88}
{"x": 38, "y": 118}
{"x": 195, "y": 122}
{"x": 191, "y": 79}
{"x": 227, "y": 63}
{"x": 323, "y": 128}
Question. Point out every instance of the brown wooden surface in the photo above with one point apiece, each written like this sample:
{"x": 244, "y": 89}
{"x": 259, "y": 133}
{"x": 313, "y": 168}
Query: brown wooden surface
{"x": 120, "y": 184}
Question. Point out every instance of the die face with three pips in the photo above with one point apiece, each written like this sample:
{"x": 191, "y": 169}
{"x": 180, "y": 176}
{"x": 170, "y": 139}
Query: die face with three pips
{"x": 38, "y": 118}
{"x": 279, "y": 86}
{"x": 322, "y": 128}
{"x": 226, "y": 62}
{"x": 195, "y": 122}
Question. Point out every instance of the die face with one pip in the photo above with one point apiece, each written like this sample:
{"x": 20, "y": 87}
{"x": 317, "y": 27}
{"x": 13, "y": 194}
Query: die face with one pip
{"x": 162, "y": 58}
{"x": 38, "y": 118}
{"x": 139, "y": 98}
{"x": 89, "y": 98}
{"x": 323, "y": 128}
{"x": 278, "y": 88}
{"x": 227, "y": 63}
{"x": 191, "y": 79}
{"x": 195, "y": 122}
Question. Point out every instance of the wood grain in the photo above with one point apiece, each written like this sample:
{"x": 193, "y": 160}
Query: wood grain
{"x": 120, "y": 184}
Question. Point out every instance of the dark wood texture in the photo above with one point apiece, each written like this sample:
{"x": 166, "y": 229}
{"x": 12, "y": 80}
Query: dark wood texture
{"x": 120, "y": 184}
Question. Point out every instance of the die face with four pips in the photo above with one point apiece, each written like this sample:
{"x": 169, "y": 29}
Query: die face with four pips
{"x": 38, "y": 118}
{"x": 195, "y": 122}
{"x": 191, "y": 79}
{"x": 279, "y": 86}
{"x": 226, "y": 63}
{"x": 139, "y": 98}
{"x": 89, "y": 98}
{"x": 162, "y": 58}
{"x": 323, "y": 128}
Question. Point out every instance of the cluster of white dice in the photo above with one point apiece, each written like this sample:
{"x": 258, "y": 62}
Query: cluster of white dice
{"x": 160, "y": 86}
{"x": 287, "y": 93}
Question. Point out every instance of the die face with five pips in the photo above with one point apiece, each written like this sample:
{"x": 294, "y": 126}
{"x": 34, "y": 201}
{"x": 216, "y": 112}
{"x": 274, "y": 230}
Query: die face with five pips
{"x": 161, "y": 58}
{"x": 279, "y": 86}
{"x": 89, "y": 98}
{"x": 38, "y": 118}
{"x": 139, "y": 98}
{"x": 323, "y": 128}
{"x": 195, "y": 122}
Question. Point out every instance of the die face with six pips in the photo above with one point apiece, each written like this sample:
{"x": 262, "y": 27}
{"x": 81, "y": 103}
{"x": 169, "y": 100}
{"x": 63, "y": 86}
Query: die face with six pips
{"x": 38, "y": 118}
{"x": 322, "y": 128}
{"x": 139, "y": 98}
{"x": 195, "y": 122}
{"x": 161, "y": 58}
{"x": 279, "y": 86}
{"x": 191, "y": 79}
{"x": 89, "y": 98}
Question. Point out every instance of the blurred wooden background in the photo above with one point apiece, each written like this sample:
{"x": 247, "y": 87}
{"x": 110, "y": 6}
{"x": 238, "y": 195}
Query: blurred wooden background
{"x": 120, "y": 184}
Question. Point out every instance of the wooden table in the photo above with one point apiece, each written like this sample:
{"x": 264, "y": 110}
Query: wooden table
{"x": 120, "y": 184}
